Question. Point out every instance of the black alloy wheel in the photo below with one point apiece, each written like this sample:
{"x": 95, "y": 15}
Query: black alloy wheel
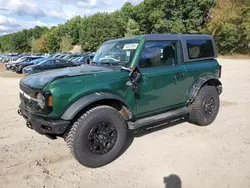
{"x": 102, "y": 138}
{"x": 209, "y": 106}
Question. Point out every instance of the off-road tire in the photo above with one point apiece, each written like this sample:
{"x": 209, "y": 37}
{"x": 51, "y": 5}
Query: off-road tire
{"x": 77, "y": 138}
{"x": 197, "y": 110}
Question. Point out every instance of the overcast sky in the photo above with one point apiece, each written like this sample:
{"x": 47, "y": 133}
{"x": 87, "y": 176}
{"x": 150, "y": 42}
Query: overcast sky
{"x": 16, "y": 15}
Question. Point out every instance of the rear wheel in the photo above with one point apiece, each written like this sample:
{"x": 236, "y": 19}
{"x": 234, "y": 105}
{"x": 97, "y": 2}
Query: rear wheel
{"x": 205, "y": 107}
{"x": 97, "y": 137}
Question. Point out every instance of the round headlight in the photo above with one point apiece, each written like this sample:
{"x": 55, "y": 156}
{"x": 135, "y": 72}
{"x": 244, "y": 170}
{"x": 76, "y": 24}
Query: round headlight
{"x": 41, "y": 101}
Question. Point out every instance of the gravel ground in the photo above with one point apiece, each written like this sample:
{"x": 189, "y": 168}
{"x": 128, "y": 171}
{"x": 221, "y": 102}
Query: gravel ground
{"x": 183, "y": 155}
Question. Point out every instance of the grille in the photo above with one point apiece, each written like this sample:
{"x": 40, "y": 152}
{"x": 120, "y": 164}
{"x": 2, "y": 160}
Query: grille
{"x": 29, "y": 91}
{"x": 25, "y": 101}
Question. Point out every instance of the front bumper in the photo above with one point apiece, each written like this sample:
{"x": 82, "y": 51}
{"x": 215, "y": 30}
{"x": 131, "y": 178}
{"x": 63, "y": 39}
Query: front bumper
{"x": 7, "y": 66}
{"x": 18, "y": 68}
{"x": 44, "y": 126}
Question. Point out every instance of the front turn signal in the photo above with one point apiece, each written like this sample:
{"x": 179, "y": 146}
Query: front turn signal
{"x": 50, "y": 102}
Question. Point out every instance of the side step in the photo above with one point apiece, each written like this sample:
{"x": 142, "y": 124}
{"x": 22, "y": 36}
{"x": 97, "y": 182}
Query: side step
{"x": 158, "y": 118}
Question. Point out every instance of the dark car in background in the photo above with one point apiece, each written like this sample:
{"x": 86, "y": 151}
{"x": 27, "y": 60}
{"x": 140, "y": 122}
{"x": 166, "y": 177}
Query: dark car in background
{"x": 12, "y": 65}
{"x": 48, "y": 65}
{"x": 84, "y": 58}
{"x": 19, "y": 66}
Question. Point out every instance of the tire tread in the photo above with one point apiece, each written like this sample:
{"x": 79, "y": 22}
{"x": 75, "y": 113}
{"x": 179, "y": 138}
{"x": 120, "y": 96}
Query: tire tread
{"x": 195, "y": 109}
{"x": 73, "y": 130}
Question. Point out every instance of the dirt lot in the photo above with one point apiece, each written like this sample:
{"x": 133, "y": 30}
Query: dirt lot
{"x": 215, "y": 156}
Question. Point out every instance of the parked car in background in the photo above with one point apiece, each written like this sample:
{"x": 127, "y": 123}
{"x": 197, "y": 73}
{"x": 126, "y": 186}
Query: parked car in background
{"x": 6, "y": 58}
{"x": 9, "y": 62}
{"x": 85, "y": 58}
{"x": 13, "y": 66}
{"x": 19, "y": 66}
{"x": 48, "y": 65}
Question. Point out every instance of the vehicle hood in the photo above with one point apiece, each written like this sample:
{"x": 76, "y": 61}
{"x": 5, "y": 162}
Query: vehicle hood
{"x": 23, "y": 63}
{"x": 16, "y": 61}
{"x": 40, "y": 80}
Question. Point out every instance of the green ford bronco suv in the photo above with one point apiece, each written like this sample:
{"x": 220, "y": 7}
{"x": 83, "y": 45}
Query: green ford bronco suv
{"x": 131, "y": 83}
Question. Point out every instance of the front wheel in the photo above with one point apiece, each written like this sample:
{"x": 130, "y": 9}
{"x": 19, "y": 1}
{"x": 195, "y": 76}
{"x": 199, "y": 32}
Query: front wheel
{"x": 205, "y": 107}
{"x": 97, "y": 137}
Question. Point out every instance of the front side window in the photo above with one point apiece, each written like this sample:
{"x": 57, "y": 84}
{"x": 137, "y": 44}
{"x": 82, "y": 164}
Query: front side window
{"x": 29, "y": 59}
{"x": 117, "y": 52}
{"x": 46, "y": 62}
{"x": 158, "y": 54}
{"x": 200, "y": 49}
{"x": 59, "y": 61}
{"x": 24, "y": 59}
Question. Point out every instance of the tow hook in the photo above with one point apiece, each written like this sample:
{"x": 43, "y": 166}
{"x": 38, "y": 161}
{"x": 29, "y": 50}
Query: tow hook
{"x": 19, "y": 112}
{"x": 29, "y": 125}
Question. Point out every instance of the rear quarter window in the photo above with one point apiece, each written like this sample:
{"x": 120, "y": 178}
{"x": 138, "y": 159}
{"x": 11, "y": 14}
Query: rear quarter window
{"x": 198, "y": 49}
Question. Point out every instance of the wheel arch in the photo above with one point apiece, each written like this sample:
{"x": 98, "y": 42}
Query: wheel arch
{"x": 101, "y": 98}
{"x": 202, "y": 81}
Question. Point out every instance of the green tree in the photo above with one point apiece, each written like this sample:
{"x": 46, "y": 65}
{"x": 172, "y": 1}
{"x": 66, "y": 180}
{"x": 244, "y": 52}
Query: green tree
{"x": 33, "y": 44}
{"x": 133, "y": 28}
{"x": 5, "y": 42}
{"x": 21, "y": 41}
{"x": 226, "y": 20}
{"x": 52, "y": 41}
{"x": 101, "y": 27}
{"x": 38, "y": 45}
{"x": 66, "y": 44}
{"x": 230, "y": 26}
{"x": 38, "y": 31}
{"x": 73, "y": 27}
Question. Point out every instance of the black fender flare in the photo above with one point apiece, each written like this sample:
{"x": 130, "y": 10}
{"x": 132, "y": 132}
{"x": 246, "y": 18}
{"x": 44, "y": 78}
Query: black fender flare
{"x": 87, "y": 100}
{"x": 199, "y": 84}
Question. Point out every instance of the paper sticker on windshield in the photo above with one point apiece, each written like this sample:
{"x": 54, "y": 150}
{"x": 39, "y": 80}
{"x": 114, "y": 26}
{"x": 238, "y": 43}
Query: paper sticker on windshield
{"x": 132, "y": 46}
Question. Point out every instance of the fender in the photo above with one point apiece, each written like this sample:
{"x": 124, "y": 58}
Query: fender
{"x": 200, "y": 82}
{"x": 83, "y": 102}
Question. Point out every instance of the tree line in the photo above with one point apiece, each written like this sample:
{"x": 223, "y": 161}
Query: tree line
{"x": 227, "y": 20}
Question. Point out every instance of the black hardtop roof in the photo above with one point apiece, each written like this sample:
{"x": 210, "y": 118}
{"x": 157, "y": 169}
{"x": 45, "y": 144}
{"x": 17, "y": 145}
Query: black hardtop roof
{"x": 159, "y": 37}
{"x": 176, "y": 36}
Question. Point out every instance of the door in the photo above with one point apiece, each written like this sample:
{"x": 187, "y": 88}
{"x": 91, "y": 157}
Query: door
{"x": 60, "y": 63}
{"x": 163, "y": 78}
{"x": 46, "y": 65}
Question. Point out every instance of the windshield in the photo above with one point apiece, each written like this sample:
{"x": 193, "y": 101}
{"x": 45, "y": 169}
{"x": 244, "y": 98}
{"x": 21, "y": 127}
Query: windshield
{"x": 21, "y": 58}
{"x": 24, "y": 59}
{"x": 117, "y": 52}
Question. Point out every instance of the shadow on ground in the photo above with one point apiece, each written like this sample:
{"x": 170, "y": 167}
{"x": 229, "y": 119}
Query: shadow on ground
{"x": 172, "y": 181}
{"x": 151, "y": 128}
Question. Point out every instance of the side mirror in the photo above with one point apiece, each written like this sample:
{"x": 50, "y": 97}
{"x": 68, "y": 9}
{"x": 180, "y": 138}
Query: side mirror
{"x": 135, "y": 75}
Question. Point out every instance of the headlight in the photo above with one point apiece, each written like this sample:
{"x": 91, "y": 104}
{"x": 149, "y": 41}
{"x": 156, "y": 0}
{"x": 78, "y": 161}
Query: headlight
{"x": 41, "y": 101}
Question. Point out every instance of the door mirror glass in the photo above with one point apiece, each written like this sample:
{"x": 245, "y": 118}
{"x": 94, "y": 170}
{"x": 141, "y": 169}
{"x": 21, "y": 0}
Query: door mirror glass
{"x": 135, "y": 75}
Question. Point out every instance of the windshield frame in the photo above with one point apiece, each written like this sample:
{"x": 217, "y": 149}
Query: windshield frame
{"x": 134, "y": 57}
